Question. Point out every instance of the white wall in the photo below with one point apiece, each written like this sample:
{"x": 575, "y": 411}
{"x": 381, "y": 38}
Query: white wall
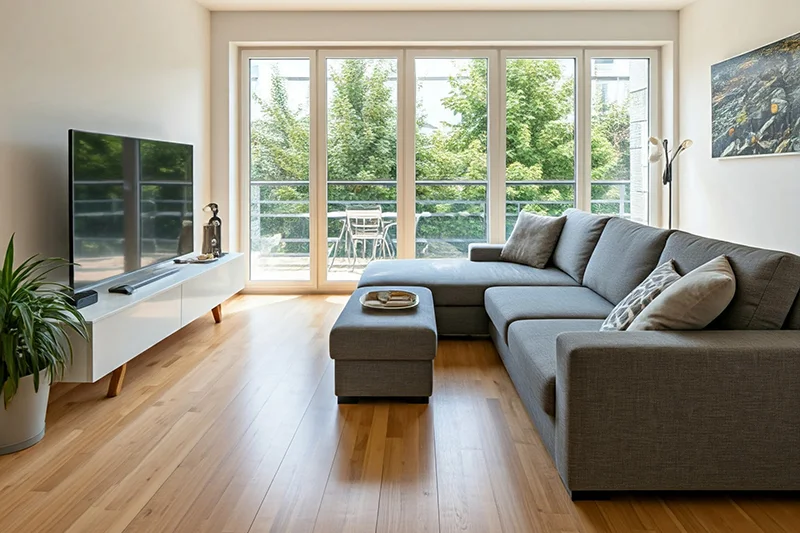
{"x": 133, "y": 67}
{"x": 752, "y": 201}
{"x": 231, "y": 30}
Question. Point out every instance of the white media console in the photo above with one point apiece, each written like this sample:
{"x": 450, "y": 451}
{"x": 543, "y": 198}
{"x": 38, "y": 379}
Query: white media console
{"x": 123, "y": 326}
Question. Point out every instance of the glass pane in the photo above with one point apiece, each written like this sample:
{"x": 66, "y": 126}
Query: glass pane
{"x": 540, "y": 137}
{"x": 620, "y": 131}
{"x": 451, "y": 155}
{"x": 279, "y": 169}
{"x": 361, "y": 164}
{"x": 550, "y": 200}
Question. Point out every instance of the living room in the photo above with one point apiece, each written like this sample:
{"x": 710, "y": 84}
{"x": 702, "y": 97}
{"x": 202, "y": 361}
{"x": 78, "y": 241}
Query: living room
{"x": 400, "y": 266}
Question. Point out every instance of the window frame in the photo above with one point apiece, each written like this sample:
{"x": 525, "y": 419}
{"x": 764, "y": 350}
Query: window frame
{"x": 654, "y": 192}
{"x": 406, "y": 137}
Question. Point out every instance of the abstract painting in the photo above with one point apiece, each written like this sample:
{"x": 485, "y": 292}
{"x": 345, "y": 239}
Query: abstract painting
{"x": 755, "y": 102}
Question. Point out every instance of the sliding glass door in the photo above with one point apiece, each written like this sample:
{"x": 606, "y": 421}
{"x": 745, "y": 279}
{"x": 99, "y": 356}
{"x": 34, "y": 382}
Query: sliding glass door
{"x": 540, "y": 128}
{"x": 451, "y": 154}
{"x": 361, "y": 127}
{"x": 355, "y": 156}
{"x": 279, "y": 157}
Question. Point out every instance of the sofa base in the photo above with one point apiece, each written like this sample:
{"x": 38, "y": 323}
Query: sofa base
{"x": 466, "y": 321}
{"x": 383, "y": 379}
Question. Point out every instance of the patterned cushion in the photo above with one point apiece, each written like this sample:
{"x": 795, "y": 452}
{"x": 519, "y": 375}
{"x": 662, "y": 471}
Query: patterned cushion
{"x": 634, "y": 303}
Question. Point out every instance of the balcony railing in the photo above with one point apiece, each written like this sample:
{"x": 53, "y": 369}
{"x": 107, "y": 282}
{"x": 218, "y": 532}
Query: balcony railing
{"x": 430, "y": 213}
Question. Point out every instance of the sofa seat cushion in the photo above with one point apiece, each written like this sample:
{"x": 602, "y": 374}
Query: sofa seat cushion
{"x": 506, "y": 305}
{"x": 533, "y": 343}
{"x": 459, "y": 282}
{"x": 625, "y": 255}
{"x": 766, "y": 281}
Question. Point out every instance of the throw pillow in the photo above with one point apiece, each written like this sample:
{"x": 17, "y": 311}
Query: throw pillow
{"x": 692, "y": 302}
{"x": 626, "y": 311}
{"x": 533, "y": 240}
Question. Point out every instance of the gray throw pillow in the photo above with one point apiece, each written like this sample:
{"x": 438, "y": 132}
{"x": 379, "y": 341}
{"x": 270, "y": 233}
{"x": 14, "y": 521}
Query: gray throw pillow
{"x": 533, "y": 240}
{"x": 626, "y": 311}
{"x": 692, "y": 302}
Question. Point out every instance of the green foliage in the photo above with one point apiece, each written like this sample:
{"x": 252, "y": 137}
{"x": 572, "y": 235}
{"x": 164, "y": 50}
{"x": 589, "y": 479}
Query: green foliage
{"x": 362, "y": 146}
{"x": 35, "y": 315}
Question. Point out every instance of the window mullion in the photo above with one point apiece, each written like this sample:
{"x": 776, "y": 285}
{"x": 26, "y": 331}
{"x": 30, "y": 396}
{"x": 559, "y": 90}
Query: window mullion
{"x": 496, "y": 190}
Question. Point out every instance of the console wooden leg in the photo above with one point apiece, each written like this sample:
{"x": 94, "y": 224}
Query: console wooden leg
{"x": 117, "y": 377}
{"x": 217, "y": 312}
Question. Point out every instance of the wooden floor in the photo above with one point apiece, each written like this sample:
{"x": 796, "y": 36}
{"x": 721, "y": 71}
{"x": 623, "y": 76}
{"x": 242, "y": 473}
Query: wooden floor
{"x": 234, "y": 428}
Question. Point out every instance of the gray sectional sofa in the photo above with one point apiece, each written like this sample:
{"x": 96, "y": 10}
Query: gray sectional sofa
{"x": 717, "y": 409}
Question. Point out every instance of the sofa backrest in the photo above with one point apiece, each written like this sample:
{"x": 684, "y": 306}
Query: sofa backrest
{"x": 767, "y": 282}
{"x": 577, "y": 242}
{"x": 793, "y": 320}
{"x": 625, "y": 255}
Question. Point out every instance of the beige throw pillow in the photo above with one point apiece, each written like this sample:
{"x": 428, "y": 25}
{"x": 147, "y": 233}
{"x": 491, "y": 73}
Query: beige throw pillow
{"x": 626, "y": 311}
{"x": 533, "y": 240}
{"x": 692, "y": 302}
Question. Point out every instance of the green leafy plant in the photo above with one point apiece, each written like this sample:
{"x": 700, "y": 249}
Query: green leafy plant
{"x": 35, "y": 317}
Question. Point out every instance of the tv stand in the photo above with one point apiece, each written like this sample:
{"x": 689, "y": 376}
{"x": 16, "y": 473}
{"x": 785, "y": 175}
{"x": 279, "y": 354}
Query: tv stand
{"x": 122, "y": 326}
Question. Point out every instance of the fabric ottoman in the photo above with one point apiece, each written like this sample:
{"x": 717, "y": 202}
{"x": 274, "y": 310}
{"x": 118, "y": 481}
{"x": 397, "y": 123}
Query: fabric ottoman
{"x": 384, "y": 353}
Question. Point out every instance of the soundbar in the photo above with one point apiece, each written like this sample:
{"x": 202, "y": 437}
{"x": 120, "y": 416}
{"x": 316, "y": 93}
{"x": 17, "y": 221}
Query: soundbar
{"x": 130, "y": 288}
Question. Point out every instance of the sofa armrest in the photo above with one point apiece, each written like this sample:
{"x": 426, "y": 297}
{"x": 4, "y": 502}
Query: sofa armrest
{"x": 657, "y": 410}
{"x": 485, "y": 252}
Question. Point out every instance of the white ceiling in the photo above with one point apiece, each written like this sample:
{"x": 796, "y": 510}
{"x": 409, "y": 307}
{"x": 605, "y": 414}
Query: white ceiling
{"x": 439, "y": 5}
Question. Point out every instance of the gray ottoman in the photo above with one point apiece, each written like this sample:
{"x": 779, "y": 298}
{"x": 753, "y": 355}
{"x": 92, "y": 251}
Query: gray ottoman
{"x": 384, "y": 354}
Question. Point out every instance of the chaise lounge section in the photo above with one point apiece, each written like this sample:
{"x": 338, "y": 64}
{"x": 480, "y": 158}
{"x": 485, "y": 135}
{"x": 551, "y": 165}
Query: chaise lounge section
{"x": 717, "y": 409}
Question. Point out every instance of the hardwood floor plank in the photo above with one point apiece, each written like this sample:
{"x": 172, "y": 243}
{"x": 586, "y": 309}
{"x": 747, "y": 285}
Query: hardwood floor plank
{"x": 466, "y": 499}
{"x": 235, "y": 428}
{"x": 408, "y": 500}
{"x": 295, "y": 495}
{"x": 352, "y": 494}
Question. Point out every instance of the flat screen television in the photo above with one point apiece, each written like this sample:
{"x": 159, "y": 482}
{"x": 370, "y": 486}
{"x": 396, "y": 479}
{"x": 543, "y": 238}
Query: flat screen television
{"x": 131, "y": 205}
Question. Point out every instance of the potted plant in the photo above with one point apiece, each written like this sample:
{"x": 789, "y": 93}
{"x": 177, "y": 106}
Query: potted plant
{"x": 36, "y": 316}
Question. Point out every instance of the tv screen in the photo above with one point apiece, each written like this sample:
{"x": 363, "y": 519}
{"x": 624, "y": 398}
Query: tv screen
{"x": 131, "y": 204}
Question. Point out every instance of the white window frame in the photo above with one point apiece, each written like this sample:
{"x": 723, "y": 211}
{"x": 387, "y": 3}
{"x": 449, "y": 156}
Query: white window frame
{"x": 495, "y": 142}
{"x": 322, "y": 281}
{"x": 499, "y": 236}
{"x": 654, "y": 182}
{"x": 244, "y": 165}
{"x": 406, "y": 139}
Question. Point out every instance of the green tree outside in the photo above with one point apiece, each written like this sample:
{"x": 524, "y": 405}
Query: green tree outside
{"x": 362, "y": 147}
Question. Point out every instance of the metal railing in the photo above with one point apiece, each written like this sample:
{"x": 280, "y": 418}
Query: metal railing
{"x": 513, "y": 208}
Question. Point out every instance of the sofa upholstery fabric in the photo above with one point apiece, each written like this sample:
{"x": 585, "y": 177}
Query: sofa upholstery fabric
{"x": 372, "y": 334}
{"x": 534, "y": 343}
{"x": 624, "y": 256}
{"x": 678, "y": 410}
{"x": 506, "y": 305}
{"x": 578, "y": 240}
{"x": 458, "y": 282}
{"x": 767, "y": 282}
{"x": 484, "y": 252}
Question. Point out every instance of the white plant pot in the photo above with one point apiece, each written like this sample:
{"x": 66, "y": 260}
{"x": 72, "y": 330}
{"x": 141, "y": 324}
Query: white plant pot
{"x": 22, "y": 424}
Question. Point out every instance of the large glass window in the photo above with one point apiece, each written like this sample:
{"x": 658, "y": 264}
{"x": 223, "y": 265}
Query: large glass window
{"x": 279, "y": 170}
{"x": 540, "y": 137}
{"x": 361, "y": 122}
{"x": 451, "y": 155}
{"x": 620, "y": 131}
{"x": 359, "y": 155}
